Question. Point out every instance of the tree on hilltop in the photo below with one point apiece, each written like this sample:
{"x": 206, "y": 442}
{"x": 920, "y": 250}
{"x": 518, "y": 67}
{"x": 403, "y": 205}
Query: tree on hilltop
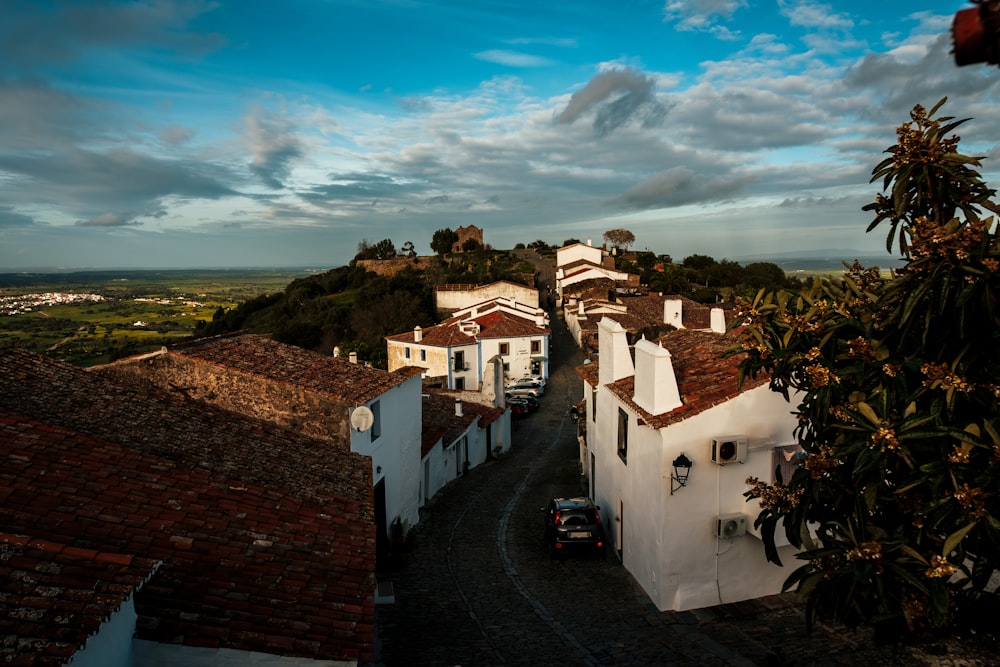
{"x": 896, "y": 500}
{"x": 443, "y": 240}
{"x": 620, "y": 239}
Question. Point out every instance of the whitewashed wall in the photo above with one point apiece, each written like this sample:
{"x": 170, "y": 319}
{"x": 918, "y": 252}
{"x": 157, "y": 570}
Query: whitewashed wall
{"x": 396, "y": 450}
{"x": 669, "y": 543}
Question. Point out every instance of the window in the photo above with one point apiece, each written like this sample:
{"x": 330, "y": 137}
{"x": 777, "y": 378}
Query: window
{"x": 504, "y": 349}
{"x": 407, "y": 353}
{"x": 536, "y": 346}
{"x": 622, "y": 434}
{"x": 423, "y": 355}
{"x": 506, "y": 368}
{"x": 593, "y": 404}
{"x": 377, "y": 421}
{"x": 459, "y": 361}
{"x": 460, "y": 384}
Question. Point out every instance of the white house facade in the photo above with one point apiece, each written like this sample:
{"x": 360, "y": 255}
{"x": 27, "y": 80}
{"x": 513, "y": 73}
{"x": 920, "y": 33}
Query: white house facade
{"x": 688, "y": 545}
{"x": 449, "y": 298}
{"x": 457, "y": 350}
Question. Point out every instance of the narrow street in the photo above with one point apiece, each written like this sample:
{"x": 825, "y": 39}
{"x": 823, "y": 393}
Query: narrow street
{"x": 479, "y": 588}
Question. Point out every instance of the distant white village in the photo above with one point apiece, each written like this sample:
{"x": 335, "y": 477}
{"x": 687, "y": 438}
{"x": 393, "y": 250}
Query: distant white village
{"x": 26, "y": 303}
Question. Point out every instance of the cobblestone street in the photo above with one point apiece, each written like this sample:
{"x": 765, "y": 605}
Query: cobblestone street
{"x": 478, "y": 587}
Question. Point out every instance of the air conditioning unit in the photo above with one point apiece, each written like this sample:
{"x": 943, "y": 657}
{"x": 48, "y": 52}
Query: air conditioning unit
{"x": 729, "y": 449}
{"x": 730, "y": 525}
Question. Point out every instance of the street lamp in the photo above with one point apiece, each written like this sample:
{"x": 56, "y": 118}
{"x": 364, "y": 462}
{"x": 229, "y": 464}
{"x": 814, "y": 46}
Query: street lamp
{"x": 682, "y": 468}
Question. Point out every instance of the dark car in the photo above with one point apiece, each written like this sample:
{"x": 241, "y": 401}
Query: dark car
{"x": 573, "y": 524}
{"x": 529, "y": 402}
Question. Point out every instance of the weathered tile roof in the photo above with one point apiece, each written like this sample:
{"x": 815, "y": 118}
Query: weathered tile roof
{"x": 260, "y": 355}
{"x": 496, "y": 323}
{"x": 267, "y": 537}
{"x": 706, "y": 377}
{"x": 441, "y": 423}
{"x": 55, "y": 597}
{"x": 501, "y": 324}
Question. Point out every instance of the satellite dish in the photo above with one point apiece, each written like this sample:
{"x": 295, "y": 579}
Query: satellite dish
{"x": 362, "y": 418}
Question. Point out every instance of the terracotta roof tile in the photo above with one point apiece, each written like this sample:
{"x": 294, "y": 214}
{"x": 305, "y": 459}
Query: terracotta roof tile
{"x": 77, "y": 590}
{"x": 267, "y": 537}
{"x": 260, "y": 355}
{"x": 441, "y": 423}
{"x": 706, "y": 377}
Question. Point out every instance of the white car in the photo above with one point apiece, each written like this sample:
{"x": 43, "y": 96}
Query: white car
{"x": 527, "y": 383}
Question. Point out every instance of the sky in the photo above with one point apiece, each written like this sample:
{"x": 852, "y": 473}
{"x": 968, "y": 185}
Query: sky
{"x": 243, "y": 133}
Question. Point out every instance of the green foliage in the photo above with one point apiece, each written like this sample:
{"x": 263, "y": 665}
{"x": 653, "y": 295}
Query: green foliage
{"x": 442, "y": 240}
{"x": 384, "y": 249}
{"x": 896, "y": 379}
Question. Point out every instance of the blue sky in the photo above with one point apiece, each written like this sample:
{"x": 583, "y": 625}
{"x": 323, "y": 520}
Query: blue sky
{"x": 190, "y": 133}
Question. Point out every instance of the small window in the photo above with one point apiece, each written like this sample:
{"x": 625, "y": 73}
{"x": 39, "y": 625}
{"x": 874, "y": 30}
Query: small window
{"x": 407, "y": 353}
{"x": 377, "y": 421}
{"x": 423, "y": 355}
{"x": 459, "y": 362}
{"x": 593, "y": 403}
{"x": 504, "y": 349}
{"x": 536, "y": 346}
{"x": 622, "y": 434}
{"x": 460, "y": 384}
{"x": 506, "y": 367}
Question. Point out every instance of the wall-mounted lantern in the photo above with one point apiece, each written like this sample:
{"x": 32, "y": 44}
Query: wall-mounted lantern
{"x": 682, "y": 468}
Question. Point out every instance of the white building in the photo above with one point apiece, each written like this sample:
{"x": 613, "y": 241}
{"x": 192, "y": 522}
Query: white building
{"x": 457, "y": 350}
{"x": 458, "y": 435}
{"x": 689, "y": 545}
{"x": 449, "y": 298}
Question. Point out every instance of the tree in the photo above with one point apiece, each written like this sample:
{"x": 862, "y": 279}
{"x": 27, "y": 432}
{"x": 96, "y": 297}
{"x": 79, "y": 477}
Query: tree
{"x": 408, "y": 250}
{"x": 384, "y": 249}
{"x": 896, "y": 501}
{"x": 619, "y": 238}
{"x": 471, "y": 245}
{"x": 443, "y": 240}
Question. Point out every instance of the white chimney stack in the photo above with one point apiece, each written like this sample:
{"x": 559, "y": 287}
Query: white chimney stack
{"x": 353, "y": 357}
{"x": 673, "y": 313}
{"x": 458, "y": 407}
{"x": 580, "y": 309}
{"x": 418, "y": 334}
{"x": 336, "y": 350}
{"x": 540, "y": 318}
{"x": 655, "y": 383}
{"x": 615, "y": 358}
{"x": 718, "y": 320}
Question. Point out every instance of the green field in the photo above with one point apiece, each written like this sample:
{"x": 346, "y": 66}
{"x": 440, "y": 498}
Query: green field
{"x": 142, "y": 310}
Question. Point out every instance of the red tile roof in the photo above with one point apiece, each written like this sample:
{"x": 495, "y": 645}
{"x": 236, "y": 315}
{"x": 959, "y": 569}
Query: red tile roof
{"x": 706, "y": 377}
{"x": 441, "y": 423}
{"x": 260, "y": 355}
{"x": 496, "y": 323}
{"x": 55, "y": 597}
{"x": 267, "y": 537}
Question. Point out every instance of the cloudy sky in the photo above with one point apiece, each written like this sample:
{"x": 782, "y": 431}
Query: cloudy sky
{"x": 198, "y": 133}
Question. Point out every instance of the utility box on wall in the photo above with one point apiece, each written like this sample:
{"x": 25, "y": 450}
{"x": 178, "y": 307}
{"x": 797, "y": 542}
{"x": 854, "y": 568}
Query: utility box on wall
{"x": 730, "y": 525}
{"x": 729, "y": 449}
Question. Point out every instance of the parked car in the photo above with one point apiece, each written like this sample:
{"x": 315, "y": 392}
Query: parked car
{"x": 573, "y": 524}
{"x": 530, "y": 402}
{"x": 522, "y": 391}
{"x": 527, "y": 383}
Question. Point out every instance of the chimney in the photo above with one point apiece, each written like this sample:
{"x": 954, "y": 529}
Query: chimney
{"x": 579, "y": 309}
{"x": 655, "y": 383}
{"x": 590, "y": 242}
{"x": 458, "y": 407}
{"x": 612, "y": 346}
{"x": 540, "y": 318}
{"x": 418, "y": 334}
{"x": 718, "y": 320}
{"x": 336, "y": 350}
{"x": 673, "y": 313}
{"x": 353, "y": 357}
